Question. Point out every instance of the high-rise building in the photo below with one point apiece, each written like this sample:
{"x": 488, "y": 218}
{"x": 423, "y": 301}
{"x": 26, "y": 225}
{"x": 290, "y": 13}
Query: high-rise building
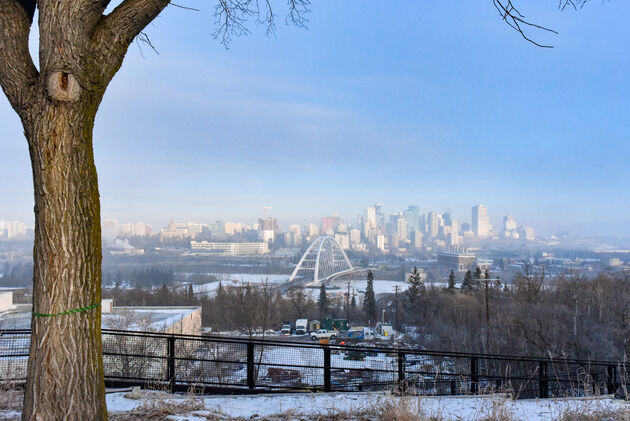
{"x": 416, "y": 239}
{"x": 527, "y": 233}
{"x": 412, "y": 215}
{"x": 230, "y": 228}
{"x": 446, "y": 218}
{"x": 330, "y": 224}
{"x": 355, "y": 236}
{"x": 402, "y": 229}
{"x": 455, "y": 226}
{"x": 432, "y": 222}
{"x": 343, "y": 239}
{"x": 481, "y": 222}
{"x": 312, "y": 229}
{"x": 509, "y": 227}
{"x": 267, "y": 229}
{"x": 380, "y": 242}
{"x": 110, "y": 228}
{"x": 380, "y": 216}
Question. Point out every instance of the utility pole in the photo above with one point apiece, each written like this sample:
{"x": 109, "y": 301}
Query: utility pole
{"x": 396, "y": 306}
{"x": 487, "y": 311}
{"x": 348, "y": 304}
{"x": 487, "y": 305}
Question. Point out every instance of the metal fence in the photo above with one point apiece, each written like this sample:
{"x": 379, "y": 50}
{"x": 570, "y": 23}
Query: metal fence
{"x": 214, "y": 364}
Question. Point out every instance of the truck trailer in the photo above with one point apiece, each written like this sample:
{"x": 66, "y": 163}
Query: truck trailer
{"x": 301, "y": 326}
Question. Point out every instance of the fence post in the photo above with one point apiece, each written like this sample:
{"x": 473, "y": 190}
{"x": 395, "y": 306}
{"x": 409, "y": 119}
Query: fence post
{"x": 171, "y": 363}
{"x": 610, "y": 383}
{"x": 543, "y": 382}
{"x": 453, "y": 387}
{"x": 326, "y": 368}
{"x": 401, "y": 372}
{"x": 251, "y": 380}
{"x": 474, "y": 375}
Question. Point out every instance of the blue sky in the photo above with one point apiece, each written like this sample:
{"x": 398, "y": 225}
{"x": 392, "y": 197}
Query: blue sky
{"x": 399, "y": 103}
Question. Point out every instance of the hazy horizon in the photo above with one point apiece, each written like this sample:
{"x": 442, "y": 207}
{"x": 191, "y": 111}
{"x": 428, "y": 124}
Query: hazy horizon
{"x": 430, "y": 105}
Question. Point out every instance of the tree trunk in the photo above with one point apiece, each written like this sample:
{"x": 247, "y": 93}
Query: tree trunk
{"x": 80, "y": 50}
{"x": 65, "y": 369}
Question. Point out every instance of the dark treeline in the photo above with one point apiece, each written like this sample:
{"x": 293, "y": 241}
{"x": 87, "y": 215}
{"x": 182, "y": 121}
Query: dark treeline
{"x": 18, "y": 275}
{"x": 246, "y": 307}
{"x": 141, "y": 278}
{"x": 576, "y": 318}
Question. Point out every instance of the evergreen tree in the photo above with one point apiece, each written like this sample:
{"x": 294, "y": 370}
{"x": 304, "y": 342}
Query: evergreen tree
{"x": 220, "y": 290}
{"x": 369, "y": 301}
{"x": 497, "y": 282}
{"x": 415, "y": 289}
{"x": 451, "y": 280}
{"x": 478, "y": 278}
{"x": 353, "y": 301}
{"x": 468, "y": 282}
{"x": 190, "y": 295}
{"x": 322, "y": 302}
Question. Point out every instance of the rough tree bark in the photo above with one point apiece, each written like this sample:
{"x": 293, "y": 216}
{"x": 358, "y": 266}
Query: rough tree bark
{"x": 80, "y": 51}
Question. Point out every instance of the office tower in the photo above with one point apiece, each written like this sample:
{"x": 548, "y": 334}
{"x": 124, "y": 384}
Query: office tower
{"x": 355, "y": 236}
{"x": 401, "y": 228}
{"x": 312, "y": 229}
{"x": 330, "y": 223}
{"x": 380, "y": 242}
{"x": 481, "y": 222}
{"x": 416, "y": 239}
{"x": 412, "y": 215}
{"x": 380, "y": 216}
{"x": 446, "y": 218}
{"x": 432, "y": 222}
{"x": 509, "y": 227}
{"x": 268, "y": 228}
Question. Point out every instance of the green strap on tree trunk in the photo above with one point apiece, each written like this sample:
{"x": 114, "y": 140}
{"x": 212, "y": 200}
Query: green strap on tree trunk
{"x": 63, "y": 313}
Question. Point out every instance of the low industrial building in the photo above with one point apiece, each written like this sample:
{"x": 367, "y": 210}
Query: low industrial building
{"x": 230, "y": 249}
{"x": 162, "y": 319}
{"x": 457, "y": 259}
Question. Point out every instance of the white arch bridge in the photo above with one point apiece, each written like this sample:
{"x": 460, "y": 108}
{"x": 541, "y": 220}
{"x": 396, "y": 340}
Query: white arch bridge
{"x": 323, "y": 260}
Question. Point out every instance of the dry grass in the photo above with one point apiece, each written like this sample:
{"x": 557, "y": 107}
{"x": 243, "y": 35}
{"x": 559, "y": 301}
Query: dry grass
{"x": 159, "y": 409}
{"x": 599, "y": 415}
{"x": 496, "y": 411}
{"x": 403, "y": 410}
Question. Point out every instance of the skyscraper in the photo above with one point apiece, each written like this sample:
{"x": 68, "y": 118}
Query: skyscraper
{"x": 432, "y": 222}
{"x": 481, "y": 222}
{"x": 402, "y": 228}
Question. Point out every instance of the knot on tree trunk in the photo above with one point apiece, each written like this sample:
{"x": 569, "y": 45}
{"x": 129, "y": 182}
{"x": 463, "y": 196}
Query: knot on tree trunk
{"x": 63, "y": 86}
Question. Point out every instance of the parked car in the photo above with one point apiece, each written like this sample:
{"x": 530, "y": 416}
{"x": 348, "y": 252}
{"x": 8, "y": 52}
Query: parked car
{"x": 324, "y": 334}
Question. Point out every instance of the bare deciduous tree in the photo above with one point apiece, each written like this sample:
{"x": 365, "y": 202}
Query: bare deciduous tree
{"x": 80, "y": 50}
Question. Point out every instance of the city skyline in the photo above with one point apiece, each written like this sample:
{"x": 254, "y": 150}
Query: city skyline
{"x": 320, "y": 120}
{"x": 126, "y": 225}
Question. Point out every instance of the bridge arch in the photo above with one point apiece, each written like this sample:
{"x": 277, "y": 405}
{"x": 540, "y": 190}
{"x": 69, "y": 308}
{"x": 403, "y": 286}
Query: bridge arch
{"x": 323, "y": 259}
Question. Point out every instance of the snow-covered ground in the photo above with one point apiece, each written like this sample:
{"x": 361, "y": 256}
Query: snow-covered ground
{"x": 228, "y": 279}
{"x": 448, "y": 408}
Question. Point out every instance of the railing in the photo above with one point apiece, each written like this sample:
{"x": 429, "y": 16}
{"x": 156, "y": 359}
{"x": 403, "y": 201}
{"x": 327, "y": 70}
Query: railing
{"x": 215, "y": 364}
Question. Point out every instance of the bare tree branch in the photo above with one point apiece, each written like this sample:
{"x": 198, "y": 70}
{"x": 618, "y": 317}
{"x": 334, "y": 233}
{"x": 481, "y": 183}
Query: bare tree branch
{"x": 18, "y": 75}
{"x": 516, "y": 20}
{"x": 117, "y": 30}
{"x": 127, "y": 21}
{"x": 233, "y": 15}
